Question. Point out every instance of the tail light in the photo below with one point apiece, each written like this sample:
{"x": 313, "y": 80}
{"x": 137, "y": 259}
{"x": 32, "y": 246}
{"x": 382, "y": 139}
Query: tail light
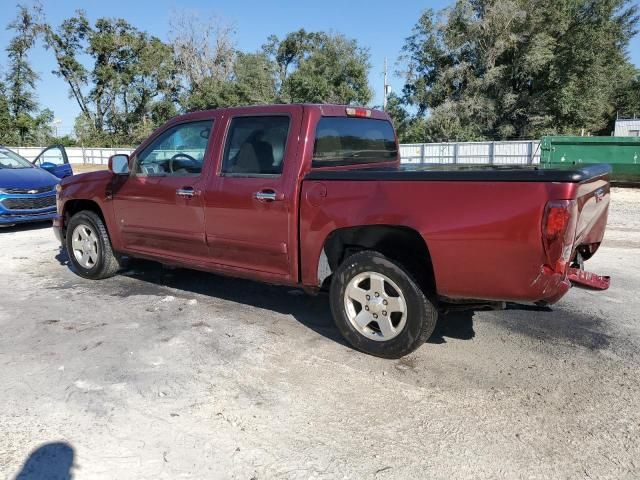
{"x": 558, "y": 232}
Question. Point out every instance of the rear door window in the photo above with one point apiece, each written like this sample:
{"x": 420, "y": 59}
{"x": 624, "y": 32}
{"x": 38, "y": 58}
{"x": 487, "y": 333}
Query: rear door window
{"x": 353, "y": 141}
{"x": 255, "y": 145}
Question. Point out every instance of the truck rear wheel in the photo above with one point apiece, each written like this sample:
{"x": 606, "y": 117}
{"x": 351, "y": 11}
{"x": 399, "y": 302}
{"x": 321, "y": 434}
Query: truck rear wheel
{"x": 89, "y": 247}
{"x": 379, "y": 307}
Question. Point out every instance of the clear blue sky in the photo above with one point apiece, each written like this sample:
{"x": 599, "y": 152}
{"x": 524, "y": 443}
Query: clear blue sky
{"x": 378, "y": 25}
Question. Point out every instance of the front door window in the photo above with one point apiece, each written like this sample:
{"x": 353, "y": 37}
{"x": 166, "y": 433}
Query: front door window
{"x": 179, "y": 151}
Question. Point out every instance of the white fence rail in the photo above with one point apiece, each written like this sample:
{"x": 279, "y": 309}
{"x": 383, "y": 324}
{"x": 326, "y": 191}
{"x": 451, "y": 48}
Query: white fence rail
{"x": 77, "y": 155}
{"x": 500, "y": 153}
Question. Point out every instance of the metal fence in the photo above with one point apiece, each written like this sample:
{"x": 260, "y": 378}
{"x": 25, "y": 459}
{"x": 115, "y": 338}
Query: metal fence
{"x": 508, "y": 152}
{"x": 500, "y": 153}
{"x": 77, "y": 155}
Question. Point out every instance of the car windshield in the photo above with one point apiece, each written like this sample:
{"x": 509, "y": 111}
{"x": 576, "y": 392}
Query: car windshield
{"x": 9, "y": 159}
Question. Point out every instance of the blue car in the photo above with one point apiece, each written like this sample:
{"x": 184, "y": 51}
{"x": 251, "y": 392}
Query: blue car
{"x": 28, "y": 189}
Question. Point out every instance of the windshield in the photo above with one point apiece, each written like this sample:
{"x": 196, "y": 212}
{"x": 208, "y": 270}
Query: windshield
{"x": 9, "y": 159}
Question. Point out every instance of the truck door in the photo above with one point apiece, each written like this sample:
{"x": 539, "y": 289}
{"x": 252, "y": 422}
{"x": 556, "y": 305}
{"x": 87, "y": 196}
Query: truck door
{"x": 159, "y": 206}
{"x": 251, "y": 218}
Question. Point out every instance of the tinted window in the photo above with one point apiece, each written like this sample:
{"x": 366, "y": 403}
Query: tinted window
{"x": 255, "y": 145}
{"x": 352, "y": 141}
{"x": 177, "y": 152}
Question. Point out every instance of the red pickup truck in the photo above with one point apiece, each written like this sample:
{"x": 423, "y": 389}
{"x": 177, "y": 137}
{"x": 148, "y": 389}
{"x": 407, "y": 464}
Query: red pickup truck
{"x": 314, "y": 196}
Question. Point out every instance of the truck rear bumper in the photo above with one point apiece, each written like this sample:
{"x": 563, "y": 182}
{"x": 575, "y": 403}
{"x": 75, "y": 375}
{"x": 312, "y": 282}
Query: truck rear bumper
{"x": 557, "y": 285}
{"x": 581, "y": 278}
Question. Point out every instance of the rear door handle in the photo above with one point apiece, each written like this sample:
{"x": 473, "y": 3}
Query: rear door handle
{"x": 268, "y": 195}
{"x": 186, "y": 192}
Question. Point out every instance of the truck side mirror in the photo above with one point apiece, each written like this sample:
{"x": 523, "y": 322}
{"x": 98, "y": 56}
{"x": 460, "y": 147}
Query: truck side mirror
{"x": 119, "y": 164}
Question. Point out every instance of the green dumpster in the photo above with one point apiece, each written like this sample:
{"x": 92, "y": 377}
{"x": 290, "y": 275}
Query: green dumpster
{"x": 622, "y": 153}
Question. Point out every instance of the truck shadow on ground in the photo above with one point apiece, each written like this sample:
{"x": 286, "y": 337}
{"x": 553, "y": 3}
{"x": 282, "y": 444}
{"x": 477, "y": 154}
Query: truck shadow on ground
{"x": 541, "y": 323}
{"x": 51, "y": 460}
{"x": 311, "y": 311}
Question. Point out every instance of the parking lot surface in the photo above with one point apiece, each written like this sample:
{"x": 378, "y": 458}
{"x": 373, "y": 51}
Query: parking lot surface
{"x": 161, "y": 373}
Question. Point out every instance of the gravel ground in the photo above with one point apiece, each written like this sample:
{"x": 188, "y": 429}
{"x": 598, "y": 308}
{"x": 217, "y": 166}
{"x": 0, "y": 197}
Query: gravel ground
{"x": 176, "y": 374}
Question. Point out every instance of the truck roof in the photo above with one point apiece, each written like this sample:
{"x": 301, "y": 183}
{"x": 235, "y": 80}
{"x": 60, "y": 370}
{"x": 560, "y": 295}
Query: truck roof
{"x": 328, "y": 110}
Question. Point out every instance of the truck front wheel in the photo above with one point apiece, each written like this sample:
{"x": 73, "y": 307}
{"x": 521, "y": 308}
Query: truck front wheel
{"x": 89, "y": 247}
{"x": 379, "y": 307}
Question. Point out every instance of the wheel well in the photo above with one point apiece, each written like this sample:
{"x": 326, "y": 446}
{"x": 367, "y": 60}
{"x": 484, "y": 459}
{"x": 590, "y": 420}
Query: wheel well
{"x": 72, "y": 207}
{"x": 402, "y": 244}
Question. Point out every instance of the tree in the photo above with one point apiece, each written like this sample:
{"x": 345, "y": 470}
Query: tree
{"x": 303, "y": 67}
{"x": 8, "y": 134}
{"x": 518, "y": 68}
{"x": 628, "y": 101}
{"x": 325, "y": 68}
{"x": 204, "y": 49}
{"x": 409, "y": 129}
{"x": 132, "y": 86}
{"x": 250, "y": 82}
{"x": 21, "y": 78}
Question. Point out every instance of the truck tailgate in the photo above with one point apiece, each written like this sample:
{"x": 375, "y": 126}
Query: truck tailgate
{"x": 593, "y": 198}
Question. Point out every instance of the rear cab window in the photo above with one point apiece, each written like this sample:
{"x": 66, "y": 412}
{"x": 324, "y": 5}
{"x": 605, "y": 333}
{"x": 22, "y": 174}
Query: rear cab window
{"x": 342, "y": 141}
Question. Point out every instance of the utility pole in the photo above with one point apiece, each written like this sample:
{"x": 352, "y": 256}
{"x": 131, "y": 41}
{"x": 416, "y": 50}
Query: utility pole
{"x": 385, "y": 89}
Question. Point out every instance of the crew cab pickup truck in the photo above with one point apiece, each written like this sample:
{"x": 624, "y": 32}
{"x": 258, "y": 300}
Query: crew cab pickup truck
{"x": 314, "y": 196}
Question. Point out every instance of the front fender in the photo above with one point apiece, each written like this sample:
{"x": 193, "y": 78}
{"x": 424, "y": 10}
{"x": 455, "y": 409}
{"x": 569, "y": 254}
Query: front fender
{"x": 85, "y": 191}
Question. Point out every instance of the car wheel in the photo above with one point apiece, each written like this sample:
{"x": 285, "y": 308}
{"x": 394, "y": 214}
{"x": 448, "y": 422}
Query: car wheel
{"x": 379, "y": 307}
{"x": 89, "y": 248}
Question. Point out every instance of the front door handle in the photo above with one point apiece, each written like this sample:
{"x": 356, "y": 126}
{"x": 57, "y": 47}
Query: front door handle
{"x": 186, "y": 192}
{"x": 267, "y": 195}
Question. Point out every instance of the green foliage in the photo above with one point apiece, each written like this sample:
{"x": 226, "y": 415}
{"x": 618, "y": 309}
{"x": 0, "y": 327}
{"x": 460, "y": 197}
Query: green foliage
{"x": 327, "y": 68}
{"x": 628, "y": 101}
{"x": 8, "y": 134}
{"x": 21, "y": 78}
{"x": 518, "y": 68}
{"x": 18, "y": 105}
{"x": 481, "y": 69}
{"x": 252, "y": 81}
{"x": 409, "y": 129}
{"x": 312, "y": 67}
{"x": 65, "y": 140}
{"x": 131, "y": 87}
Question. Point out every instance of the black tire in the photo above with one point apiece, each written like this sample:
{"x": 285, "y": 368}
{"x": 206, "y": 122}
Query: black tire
{"x": 421, "y": 314}
{"x": 106, "y": 264}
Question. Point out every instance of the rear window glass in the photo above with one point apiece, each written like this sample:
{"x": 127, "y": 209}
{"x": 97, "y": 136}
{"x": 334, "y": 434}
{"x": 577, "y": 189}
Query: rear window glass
{"x": 353, "y": 141}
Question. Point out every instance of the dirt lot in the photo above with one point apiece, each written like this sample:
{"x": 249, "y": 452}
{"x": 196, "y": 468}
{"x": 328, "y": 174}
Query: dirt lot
{"x": 176, "y": 374}
{"x": 87, "y": 167}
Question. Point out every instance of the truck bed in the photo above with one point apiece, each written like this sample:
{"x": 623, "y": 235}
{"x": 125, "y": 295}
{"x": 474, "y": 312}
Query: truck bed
{"x": 482, "y": 224}
{"x": 459, "y": 172}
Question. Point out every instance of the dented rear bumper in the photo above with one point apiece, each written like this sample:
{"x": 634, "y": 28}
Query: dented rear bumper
{"x": 583, "y": 279}
{"x": 553, "y": 286}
